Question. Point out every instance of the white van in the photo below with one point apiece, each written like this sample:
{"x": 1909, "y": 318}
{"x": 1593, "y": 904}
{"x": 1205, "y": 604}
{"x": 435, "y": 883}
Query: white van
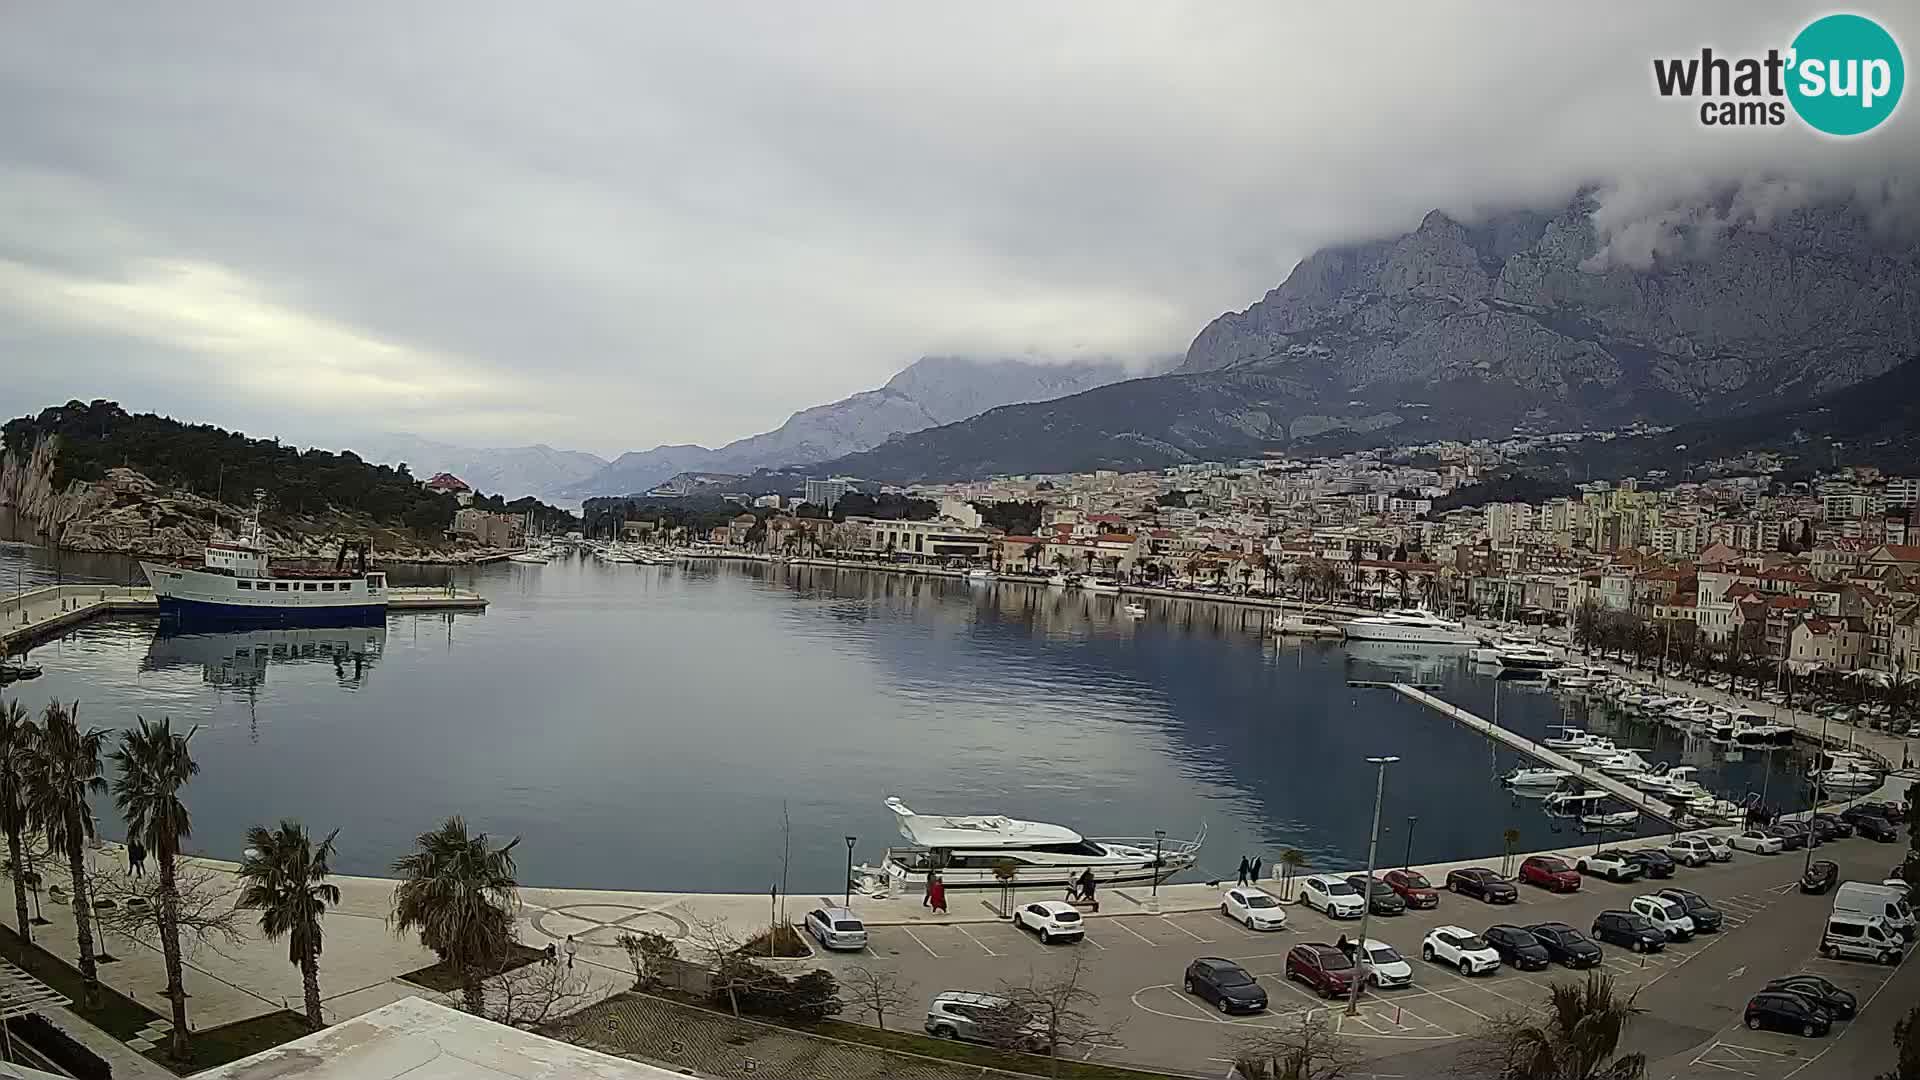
{"x": 1861, "y": 937}
{"x": 1883, "y": 901}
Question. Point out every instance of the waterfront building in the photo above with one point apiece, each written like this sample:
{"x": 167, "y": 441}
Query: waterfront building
{"x": 825, "y": 493}
{"x": 489, "y": 528}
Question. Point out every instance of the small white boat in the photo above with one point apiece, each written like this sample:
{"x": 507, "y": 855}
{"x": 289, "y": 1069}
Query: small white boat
{"x": 1058, "y": 581}
{"x": 1609, "y": 821}
{"x": 1534, "y": 778}
{"x": 1762, "y": 735}
{"x": 1848, "y": 779}
{"x": 1104, "y": 586}
{"x": 980, "y": 573}
{"x": 1596, "y": 748}
{"x": 529, "y": 558}
{"x": 1566, "y": 738}
{"x": 1135, "y": 610}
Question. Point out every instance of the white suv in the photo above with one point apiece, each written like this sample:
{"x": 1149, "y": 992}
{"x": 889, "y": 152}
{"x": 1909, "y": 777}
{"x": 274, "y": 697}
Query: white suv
{"x": 1689, "y": 851}
{"x": 1324, "y": 892}
{"x": 1609, "y": 864}
{"x": 1666, "y": 916}
{"x": 1053, "y": 920}
{"x": 1460, "y": 947}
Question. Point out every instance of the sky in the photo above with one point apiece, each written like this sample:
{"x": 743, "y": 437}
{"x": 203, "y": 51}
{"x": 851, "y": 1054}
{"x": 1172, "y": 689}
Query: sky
{"x": 610, "y": 225}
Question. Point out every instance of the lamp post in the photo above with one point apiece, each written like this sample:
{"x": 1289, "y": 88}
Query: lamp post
{"x": 1159, "y": 838}
{"x": 1407, "y": 862}
{"x": 847, "y": 900}
{"x": 1366, "y": 901}
{"x": 1813, "y": 799}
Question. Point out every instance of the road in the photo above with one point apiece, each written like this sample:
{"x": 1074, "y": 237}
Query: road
{"x": 1693, "y": 992}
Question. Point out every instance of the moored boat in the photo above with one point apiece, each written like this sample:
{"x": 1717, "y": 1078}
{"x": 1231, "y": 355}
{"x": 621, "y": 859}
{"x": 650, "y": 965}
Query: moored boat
{"x": 969, "y": 850}
{"x": 235, "y": 583}
{"x": 1416, "y": 626}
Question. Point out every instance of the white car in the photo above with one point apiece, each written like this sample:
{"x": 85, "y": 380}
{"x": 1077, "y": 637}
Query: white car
{"x": 1757, "y": 841}
{"x": 1332, "y": 895}
{"x": 1666, "y": 915}
{"x": 1690, "y": 851}
{"x": 1717, "y": 845}
{"x": 1385, "y": 966}
{"x": 1460, "y": 947}
{"x": 1053, "y": 920}
{"x": 1253, "y": 909}
{"x": 836, "y": 928}
{"x": 1609, "y": 864}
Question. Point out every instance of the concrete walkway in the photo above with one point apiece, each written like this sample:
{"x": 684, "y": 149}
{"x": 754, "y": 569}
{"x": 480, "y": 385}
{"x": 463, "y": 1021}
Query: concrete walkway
{"x": 39, "y": 613}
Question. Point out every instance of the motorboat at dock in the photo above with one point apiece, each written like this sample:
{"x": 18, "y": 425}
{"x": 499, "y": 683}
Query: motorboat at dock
{"x": 1409, "y": 626}
{"x": 1536, "y": 778}
{"x": 969, "y": 851}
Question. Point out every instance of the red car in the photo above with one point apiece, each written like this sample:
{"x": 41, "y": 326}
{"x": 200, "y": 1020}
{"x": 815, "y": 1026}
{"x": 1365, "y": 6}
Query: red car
{"x": 1549, "y": 872}
{"x": 1416, "y": 890}
{"x": 1327, "y": 970}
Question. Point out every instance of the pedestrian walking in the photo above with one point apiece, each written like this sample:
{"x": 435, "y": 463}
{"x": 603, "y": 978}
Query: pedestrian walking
{"x": 1254, "y": 878}
{"x": 137, "y": 858}
{"x": 937, "y": 894}
{"x": 1245, "y": 866}
{"x": 552, "y": 954}
{"x": 573, "y": 948}
{"x": 926, "y": 899}
{"x": 1087, "y": 887}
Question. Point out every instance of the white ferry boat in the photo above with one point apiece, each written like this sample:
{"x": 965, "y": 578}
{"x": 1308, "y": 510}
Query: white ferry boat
{"x": 969, "y": 850}
{"x": 234, "y": 584}
{"x": 1409, "y": 626}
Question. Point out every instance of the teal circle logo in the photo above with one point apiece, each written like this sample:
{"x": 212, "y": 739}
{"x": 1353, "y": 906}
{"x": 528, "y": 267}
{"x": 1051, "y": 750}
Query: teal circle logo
{"x": 1847, "y": 75}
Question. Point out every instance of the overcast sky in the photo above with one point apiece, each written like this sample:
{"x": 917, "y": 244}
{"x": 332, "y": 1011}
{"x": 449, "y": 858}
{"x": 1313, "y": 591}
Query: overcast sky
{"x": 611, "y": 225}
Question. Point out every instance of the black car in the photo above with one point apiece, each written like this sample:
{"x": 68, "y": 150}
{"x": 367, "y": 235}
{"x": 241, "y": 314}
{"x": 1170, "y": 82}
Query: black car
{"x": 1876, "y": 828}
{"x": 1652, "y": 862}
{"x": 1482, "y": 884}
{"x": 1226, "y": 984}
{"x": 1636, "y": 932}
{"x": 1793, "y": 835}
{"x": 1840, "y": 1004}
{"x": 1821, "y": 875}
{"x": 1567, "y": 945}
{"x": 1706, "y": 917}
{"x": 1785, "y": 1011}
{"x": 1518, "y": 948}
{"x": 1381, "y": 898}
{"x": 1830, "y": 827}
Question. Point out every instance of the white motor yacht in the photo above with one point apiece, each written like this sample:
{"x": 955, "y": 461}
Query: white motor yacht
{"x": 980, "y": 573}
{"x": 1566, "y": 738}
{"x": 1535, "y": 778}
{"x": 530, "y": 558}
{"x": 1625, "y": 763}
{"x": 1761, "y": 734}
{"x": 1597, "y": 747}
{"x": 1135, "y": 611}
{"x": 968, "y": 851}
{"x": 1105, "y": 586}
{"x": 1612, "y": 820}
{"x": 1409, "y": 626}
{"x": 1848, "y": 778}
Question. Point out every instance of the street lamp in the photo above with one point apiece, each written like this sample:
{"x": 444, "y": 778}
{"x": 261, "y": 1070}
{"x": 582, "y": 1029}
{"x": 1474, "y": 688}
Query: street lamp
{"x": 847, "y": 901}
{"x": 1159, "y": 838}
{"x": 1366, "y": 900}
{"x": 1813, "y": 799}
{"x": 1407, "y": 862}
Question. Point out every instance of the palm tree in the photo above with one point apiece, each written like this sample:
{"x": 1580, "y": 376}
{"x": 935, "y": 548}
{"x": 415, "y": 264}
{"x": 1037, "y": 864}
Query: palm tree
{"x": 61, "y": 765}
{"x": 285, "y": 879}
{"x": 1574, "y": 1039}
{"x": 459, "y": 895}
{"x": 154, "y": 765}
{"x": 1292, "y": 861}
{"x": 15, "y": 731}
{"x": 1060, "y": 561}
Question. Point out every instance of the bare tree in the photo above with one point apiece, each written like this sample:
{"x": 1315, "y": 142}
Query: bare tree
{"x": 879, "y": 992}
{"x": 1305, "y": 1047}
{"x": 129, "y": 905}
{"x": 1048, "y": 1011}
{"x": 652, "y": 956}
{"x": 530, "y": 996}
{"x": 729, "y": 972}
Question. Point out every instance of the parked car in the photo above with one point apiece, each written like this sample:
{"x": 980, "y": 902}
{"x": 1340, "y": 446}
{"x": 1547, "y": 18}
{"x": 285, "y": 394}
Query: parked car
{"x": 1628, "y": 930}
{"x": 1518, "y": 948}
{"x": 1668, "y": 916}
{"x": 1464, "y": 949}
{"x": 1253, "y": 908}
{"x": 1380, "y": 896}
{"x": 1653, "y": 862}
{"x": 1830, "y": 827}
{"x": 1706, "y": 918}
{"x": 1483, "y": 884}
{"x": 1549, "y": 872}
{"x": 1840, "y": 1004}
{"x": 962, "y": 1014}
{"x": 1051, "y": 920}
{"x": 1332, "y": 895}
{"x": 1689, "y": 851}
{"x": 1413, "y": 887}
{"x": 1384, "y": 965}
{"x": 1793, "y": 835}
{"x": 1226, "y": 984}
{"x": 1875, "y": 828}
{"x": 1717, "y": 844}
{"x": 1757, "y": 841}
{"x": 1325, "y": 969}
{"x": 1611, "y": 864}
{"x": 1821, "y": 876}
{"x": 1779, "y": 1010}
{"x": 1566, "y": 945}
{"x": 836, "y": 928}
{"x": 1861, "y": 937}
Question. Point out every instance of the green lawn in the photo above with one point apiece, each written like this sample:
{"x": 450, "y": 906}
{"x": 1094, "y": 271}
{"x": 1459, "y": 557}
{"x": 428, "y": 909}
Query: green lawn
{"x": 217, "y": 1046}
{"x": 116, "y": 1014}
{"x": 911, "y": 1042}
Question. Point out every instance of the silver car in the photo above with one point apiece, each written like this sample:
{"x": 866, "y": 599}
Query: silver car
{"x": 962, "y": 1014}
{"x": 836, "y": 928}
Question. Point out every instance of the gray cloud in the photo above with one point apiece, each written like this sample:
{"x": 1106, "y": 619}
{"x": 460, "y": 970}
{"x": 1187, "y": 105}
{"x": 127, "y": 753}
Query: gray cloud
{"x": 612, "y": 225}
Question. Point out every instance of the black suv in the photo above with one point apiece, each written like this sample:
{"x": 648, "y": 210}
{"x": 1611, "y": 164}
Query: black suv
{"x": 1839, "y": 1004}
{"x": 1381, "y": 897}
{"x": 1706, "y": 917}
{"x": 1483, "y": 884}
{"x": 1793, "y": 835}
{"x": 1226, "y": 984}
{"x": 1652, "y": 862}
{"x": 1636, "y": 932}
{"x": 1829, "y": 827}
{"x": 1567, "y": 945}
{"x": 1518, "y": 948}
{"x": 1821, "y": 875}
{"x": 1870, "y": 823}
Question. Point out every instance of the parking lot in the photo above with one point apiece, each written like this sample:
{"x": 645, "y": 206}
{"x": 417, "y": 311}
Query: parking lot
{"x": 1136, "y": 965}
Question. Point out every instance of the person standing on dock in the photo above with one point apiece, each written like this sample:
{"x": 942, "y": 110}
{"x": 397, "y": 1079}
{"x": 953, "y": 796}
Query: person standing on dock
{"x": 1253, "y": 875}
{"x": 1245, "y": 867}
{"x": 936, "y": 894}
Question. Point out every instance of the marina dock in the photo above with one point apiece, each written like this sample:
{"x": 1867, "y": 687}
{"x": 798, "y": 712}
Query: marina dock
{"x": 1592, "y": 777}
{"x": 39, "y": 613}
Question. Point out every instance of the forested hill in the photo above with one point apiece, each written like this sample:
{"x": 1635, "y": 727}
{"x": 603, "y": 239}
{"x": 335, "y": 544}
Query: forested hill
{"x": 91, "y": 438}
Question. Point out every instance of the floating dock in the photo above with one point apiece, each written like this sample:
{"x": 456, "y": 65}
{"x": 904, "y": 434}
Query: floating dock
{"x": 39, "y": 613}
{"x": 1592, "y": 777}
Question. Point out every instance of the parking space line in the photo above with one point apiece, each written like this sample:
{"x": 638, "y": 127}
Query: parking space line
{"x": 1362, "y": 1021}
{"x": 922, "y": 944}
{"x": 1189, "y": 933}
{"x": 1121, "y": 923}
{"x": 975, "y": 940}
{"x": 1088, "y": 938}
{"x": 1461, "y": 1004}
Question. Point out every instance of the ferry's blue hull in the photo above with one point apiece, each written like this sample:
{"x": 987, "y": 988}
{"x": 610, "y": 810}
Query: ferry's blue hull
{"x": 206, "y": 613}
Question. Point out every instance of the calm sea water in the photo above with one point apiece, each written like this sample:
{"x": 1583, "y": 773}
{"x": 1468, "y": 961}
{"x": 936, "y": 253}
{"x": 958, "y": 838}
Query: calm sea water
{"x": 651, "y": 727}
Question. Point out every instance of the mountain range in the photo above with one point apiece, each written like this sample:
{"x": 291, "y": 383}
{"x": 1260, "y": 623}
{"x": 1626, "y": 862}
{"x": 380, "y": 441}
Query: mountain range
{"x": 1469, "y": 329}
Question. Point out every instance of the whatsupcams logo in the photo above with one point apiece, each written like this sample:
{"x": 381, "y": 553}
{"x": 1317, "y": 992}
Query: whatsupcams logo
{"x": 1842, "y": 76}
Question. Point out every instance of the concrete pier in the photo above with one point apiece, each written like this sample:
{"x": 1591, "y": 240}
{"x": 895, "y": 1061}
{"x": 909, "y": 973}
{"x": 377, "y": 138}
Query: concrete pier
{"x": 1626, "y": 793}
{"x": 39, "y": 613}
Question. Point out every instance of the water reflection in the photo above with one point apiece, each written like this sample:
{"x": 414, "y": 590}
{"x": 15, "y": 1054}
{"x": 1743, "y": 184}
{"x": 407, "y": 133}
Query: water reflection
{"x": 240, "y": 659}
